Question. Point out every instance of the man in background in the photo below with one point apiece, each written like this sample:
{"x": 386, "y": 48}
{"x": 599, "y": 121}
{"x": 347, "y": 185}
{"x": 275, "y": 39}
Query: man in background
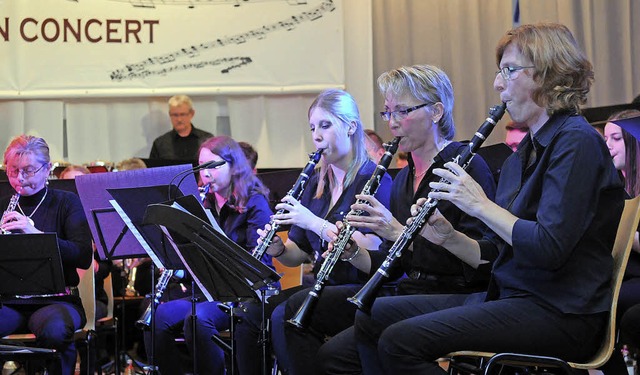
{"x": 183, "y": 141}
{"x": 374, "y": 145}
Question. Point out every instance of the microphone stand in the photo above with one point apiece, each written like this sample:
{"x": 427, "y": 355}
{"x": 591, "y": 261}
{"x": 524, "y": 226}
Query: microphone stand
{"x": 194, "y": 319}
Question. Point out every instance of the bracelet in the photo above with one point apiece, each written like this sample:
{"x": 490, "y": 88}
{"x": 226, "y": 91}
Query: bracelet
{"x": 324, "y": 226}
{"x": 280, "y": 253}
{"x": 352, "y": 257}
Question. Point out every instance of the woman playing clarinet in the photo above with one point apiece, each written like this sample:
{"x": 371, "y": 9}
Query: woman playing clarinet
{"x": 39, "y": 209}
{"x": 344, "y": 169}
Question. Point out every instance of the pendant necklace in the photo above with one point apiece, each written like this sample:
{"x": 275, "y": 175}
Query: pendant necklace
{"x": 35, "y": 209}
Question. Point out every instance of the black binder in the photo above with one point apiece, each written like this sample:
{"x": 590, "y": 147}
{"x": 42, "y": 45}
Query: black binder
{"x": 30, "y": 264}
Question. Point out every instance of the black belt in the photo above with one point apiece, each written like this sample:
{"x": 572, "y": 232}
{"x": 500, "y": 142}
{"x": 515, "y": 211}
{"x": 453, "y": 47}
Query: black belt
{"x": 422, "y": 275}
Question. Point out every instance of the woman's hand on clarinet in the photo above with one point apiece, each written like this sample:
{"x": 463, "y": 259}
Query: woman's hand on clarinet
{"x": 379, "y": 218}
{"x": 437, "y": 229}
{"x": 294, "y": 213}
{"x": 15, "y": 222}
{"x": 460, "y": 189}
{"x": 276, "y": 246}
{"x": 351, "y": 249}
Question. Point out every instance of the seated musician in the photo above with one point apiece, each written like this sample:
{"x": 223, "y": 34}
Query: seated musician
{"x": 344, "y": 169}
{"x": 553, "y": 224}
{"x": 238, "y": 201}
{"x": 426, "y": 131}
{"x": 39, "y": 209}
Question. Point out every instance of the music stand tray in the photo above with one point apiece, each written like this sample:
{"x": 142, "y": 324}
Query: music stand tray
{"x": 30, "y": 265}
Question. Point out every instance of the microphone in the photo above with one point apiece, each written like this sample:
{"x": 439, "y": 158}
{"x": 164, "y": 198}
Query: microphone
{"x": 208, "y": 165}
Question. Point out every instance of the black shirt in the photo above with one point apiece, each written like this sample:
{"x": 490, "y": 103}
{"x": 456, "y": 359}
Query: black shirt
{"x": 172, "y": 146}
{"x": 427, "y": 258}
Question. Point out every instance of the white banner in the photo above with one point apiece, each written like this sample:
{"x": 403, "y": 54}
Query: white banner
{"x": 94, "y": 48}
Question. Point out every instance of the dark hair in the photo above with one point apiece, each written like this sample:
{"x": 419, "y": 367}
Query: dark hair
{"x": 243, "y": 182}
{"x": 561, "y": 67}
{"x": 632, "y": 154}
{"x": 250, "y": 153}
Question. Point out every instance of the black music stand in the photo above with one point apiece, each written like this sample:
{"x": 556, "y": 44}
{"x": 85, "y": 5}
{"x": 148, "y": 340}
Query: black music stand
{"x": 31, "y": 267}
{"x": 224, "y": 270}
{"x": 131, "y": 203}
{"x": 119, "y": 236}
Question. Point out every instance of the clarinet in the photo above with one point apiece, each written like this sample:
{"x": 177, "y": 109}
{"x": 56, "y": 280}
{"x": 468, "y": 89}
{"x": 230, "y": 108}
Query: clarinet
{"x": 145, "y": 320}
{"x": 366, "y": 296}
{"x": 11, "y": 207}
{"x": 296, "y": 192}
{"x": 301, "y": 318}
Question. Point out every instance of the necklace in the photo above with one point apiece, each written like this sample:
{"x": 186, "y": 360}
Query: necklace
{"x": 35, "y": 209}
{"x": 419, "y": 175}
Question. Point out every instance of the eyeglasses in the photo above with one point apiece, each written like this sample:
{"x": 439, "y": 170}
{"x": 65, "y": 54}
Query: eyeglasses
{"x": 401, "y": 114}
{"x": 508, "y": 71}
{"x": 183, "y": 114}
{"x": 26, "y": 173}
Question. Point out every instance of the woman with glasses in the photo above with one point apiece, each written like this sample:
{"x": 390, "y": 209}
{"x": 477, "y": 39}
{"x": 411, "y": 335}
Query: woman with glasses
{"x": 418, "y": 103}
{"x": 238, "y": 201}
{"x": 553, "y": 224}
{"x": 35, "y": 208}
{"x": 342, "y": 172}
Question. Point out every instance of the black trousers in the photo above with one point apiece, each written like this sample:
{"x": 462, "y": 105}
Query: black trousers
{"x": 295, "y": 348}
{"x": 406, "y": 334}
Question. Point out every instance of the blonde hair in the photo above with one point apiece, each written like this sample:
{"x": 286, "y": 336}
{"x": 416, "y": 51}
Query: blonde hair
{"x": 27, "y": 145}
{"x": 341, "y": 105}
{"x": 131, "y": 164}
{"x": 426, "y": 83}
{"x": 177, "y": 100}
{"x": 74, "y": 168}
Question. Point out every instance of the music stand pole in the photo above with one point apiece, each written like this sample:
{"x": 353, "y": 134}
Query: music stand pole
{"x": 264, "y": 332}
{"x": 194, "y": 320}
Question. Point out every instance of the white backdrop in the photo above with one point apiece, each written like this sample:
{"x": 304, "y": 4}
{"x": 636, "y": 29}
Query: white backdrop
{"x": 105, "y": 100}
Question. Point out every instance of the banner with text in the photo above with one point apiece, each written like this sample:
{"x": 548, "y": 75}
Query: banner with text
{"x": 94, "y": 48}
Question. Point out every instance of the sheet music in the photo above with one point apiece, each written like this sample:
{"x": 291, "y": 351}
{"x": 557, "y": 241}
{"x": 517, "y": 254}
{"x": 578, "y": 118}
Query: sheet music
{"x": 136, "y": 233}
{"x": 204, "y": 290}
{"x": 196, "y": 209}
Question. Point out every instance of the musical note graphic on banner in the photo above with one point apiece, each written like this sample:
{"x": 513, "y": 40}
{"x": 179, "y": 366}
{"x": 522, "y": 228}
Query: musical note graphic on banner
{"x": 161, "y": 64}
{"x": 194, "y": 3}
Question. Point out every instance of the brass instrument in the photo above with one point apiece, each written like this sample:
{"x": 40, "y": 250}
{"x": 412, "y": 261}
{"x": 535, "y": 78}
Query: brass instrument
{"x": 10, "y": 208}
{"x": 303, "y": 314}
{"x": 145, "y": 320}
{"x": 296, "y": 192}
{"x": 366, "y": 296}
{"x": 130, "y": 289}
